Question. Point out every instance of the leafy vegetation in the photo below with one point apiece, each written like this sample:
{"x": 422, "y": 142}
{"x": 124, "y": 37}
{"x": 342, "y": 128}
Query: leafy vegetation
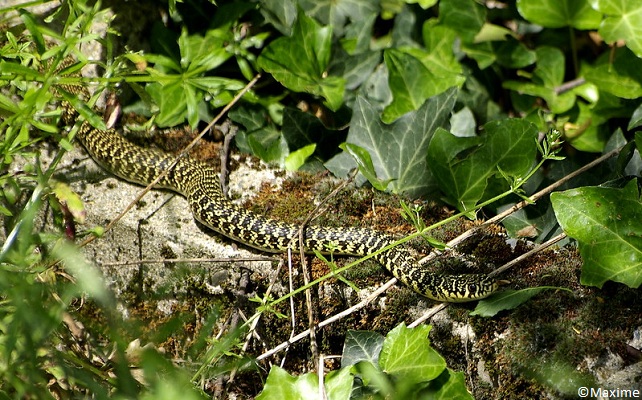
{"x": 477, "y": 105}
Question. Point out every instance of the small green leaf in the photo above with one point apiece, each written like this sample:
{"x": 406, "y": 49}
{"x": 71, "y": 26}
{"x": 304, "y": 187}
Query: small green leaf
{"x": 407, "y": 355}
{"x": 171, "y": 100}
{"x": 300, "y": 62}
{"x": 83, "y": 109}
{"x": 204, "y": 53}
{"x": 280, "y": 13}
{"x": 364, "y": 162}
{"x": 560, "y": 13}
{"x": 34, "y": 29}
{"x": 466, "y": 17}
{"x": 623, "y": 22}
{"x": 338, "y": 384}
{"x": 449, "y": 385}
{"x": 547, "y": 78}
{"x": 636, "y": 119}
{"x": 65, "y": 195}
{"x": 410, "y": 82}
{"x": 606, "y": 224}
{"x": 508, "y": 300}
{"x": 297, "y": 158}
{"x": 415, "y": 75}
{"x": 18, "y": 69}
{"x": 281, "y": 385}
{"x": 513, "y": 54}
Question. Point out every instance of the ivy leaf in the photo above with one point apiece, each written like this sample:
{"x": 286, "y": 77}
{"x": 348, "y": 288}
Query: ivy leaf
{"x": 636, "y": 119}
{"x": 300, "y": 62}
{"x": 606, "y": 224}
{"x": 281, "y": 385}
{"x": 508, "y": 300}
{"x": 280, "y": 13}
{"x": 463, "y": 165}
{"x": 337, "y": 12}
{"x": 410, "y": 82}
{"x": 621, "y": 76}
{"x": 364, "y": 162}
{"x": 623, "y": 22}
{"x": 560, "y": 13}
{"x": 361, "y": 346}
{"x": 449, "y": 385}
{"x": 466, "y": 17}
{"x": 415, "y": 74}
{"x": 301, "y": 129}
{"x": 407, "y": 355}
{"x": 398, "y": 150}
{"x": 297, "y": 158}
{"x": 547, "y": 77}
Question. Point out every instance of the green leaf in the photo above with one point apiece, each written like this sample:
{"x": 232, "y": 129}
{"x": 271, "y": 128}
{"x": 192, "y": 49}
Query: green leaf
{"x": 398, "y": 150}
{"x": 414, "y": 74}
{"x": 65, "y": 195}
{"x": 283, "y": 386}
{"x": 204, "y": 53}
{"x": 547, "y": 78}
{"x": 587, "y": 133}
{"x": 19, "y": 70}
{"x": 171, "y": 101}
{"x": 449, "y": 385}
{"x": 513, "y": 54}
{"x": 439, "y": 56}
{"x": 623, "y": 22}
{"x": 301, "y": 129}
{"x": 466, "y": 17}
{"x": 463, "y": 166}
{"x": 508, "y": 300}
{"x": 361, "y": 346}
{"x": 622, "y": 76}
{"x": 34, "y": 29}
{"x": 300, "y": 62}
{"x": 636, "y": 119}
{"x": 560, "y": 13}
{"x": 407, "y": 355}
{"x": 410, "y": 82}
{"x": 337, "y": 12}
{"x": 364, "y": 162}
{"x": 606, "y": 224}
{"x": 338, "y": 384}
{"x": 280, "y": 13}
{"x": 297, "y": 158}
{"x": 83, "y": 109}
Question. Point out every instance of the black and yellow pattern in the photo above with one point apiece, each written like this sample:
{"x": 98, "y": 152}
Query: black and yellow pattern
{"x": 199, "y": 183}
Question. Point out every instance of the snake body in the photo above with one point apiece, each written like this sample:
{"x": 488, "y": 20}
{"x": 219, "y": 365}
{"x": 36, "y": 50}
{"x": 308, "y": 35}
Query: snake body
{"x": 200, "y": 185}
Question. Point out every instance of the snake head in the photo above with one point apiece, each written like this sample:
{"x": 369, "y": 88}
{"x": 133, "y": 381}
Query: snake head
{"x": 462, "y": 288}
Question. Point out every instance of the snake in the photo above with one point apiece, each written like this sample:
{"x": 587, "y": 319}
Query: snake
{"x": 199, "y": 183}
